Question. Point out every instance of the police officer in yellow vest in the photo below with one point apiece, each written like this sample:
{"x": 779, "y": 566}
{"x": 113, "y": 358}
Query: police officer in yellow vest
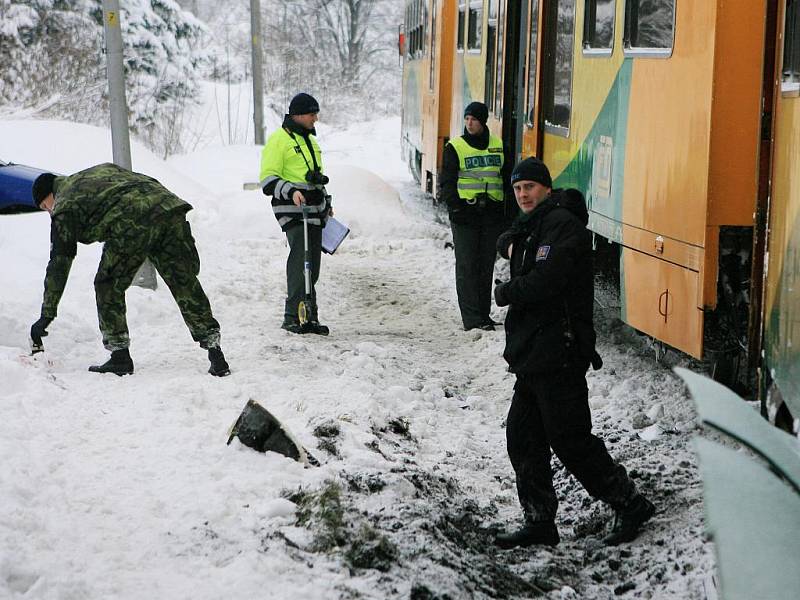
{"x": 291, "y": 172}
{"x": 473, "y": 183}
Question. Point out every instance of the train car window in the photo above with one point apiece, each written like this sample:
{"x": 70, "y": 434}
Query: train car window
{"x": 649, "y": 27}
{"x": 413, "y": 32}
{"x": 498, "y": 79}
{"x": 533, "y": 64}
{"x": 558, "y": 101}
{"x": 491, "y": 53}
{"x": 462, "y": 20}
{"x": 790, "y": 83}
{"x": 598, "y": 26}
{"x": 475, "y": 27}
{"x": 416, "y": 17}
{"x": 407, "y": 28}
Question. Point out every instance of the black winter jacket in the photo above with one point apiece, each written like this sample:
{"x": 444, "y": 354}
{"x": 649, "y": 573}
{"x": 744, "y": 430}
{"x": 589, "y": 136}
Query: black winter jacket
{"x": 459, "y": 211}
{"x": 549, "y": 324}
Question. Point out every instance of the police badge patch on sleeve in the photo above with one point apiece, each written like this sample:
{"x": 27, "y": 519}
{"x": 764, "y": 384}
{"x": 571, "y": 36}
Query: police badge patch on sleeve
{"x": 542, "y": 252}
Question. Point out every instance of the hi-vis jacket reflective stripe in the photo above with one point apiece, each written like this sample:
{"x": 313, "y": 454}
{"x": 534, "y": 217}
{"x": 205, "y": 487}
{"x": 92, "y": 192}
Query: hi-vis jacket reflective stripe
{"x": 479, "y": 170}
{"x": 285, "y": 160}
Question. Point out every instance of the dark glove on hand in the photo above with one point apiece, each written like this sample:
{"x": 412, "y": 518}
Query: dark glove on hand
{"x": 501, "y": 295}
{"x": 39, "y": 330}
{"x": 504, "y": 240}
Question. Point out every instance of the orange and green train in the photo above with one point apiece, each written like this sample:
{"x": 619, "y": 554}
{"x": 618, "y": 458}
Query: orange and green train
{"x": 680, "y": 122}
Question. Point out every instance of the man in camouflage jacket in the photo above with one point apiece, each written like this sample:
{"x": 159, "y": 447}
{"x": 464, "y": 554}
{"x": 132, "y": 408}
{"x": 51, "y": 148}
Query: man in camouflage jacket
{"x": 138, "y": 219}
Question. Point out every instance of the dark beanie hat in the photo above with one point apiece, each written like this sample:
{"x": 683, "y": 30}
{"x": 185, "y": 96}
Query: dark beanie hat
{"x": 532, "y": 169}
{"x": 477, "y": 110}
{"x": 42, "y": 187}
{"x": 303, "y": 104}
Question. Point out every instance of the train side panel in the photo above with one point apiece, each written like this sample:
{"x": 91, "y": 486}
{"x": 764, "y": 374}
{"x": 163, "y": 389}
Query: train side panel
{"x": 427, "y": 85}
{"x": 413, "y": 91}
{"x": 647, "y": 143}
{"x": 782, "y": 286}
{"x": 469, "y": 66}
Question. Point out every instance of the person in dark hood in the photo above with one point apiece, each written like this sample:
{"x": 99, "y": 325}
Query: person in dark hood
{"x": 292, "y": 173}
{"x": 473, "y": 184}
{"x": 550, "y": 343}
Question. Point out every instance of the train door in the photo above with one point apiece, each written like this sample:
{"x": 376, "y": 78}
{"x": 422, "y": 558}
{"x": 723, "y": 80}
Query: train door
{"x": 546, "y": 85}
{"x": 510, "y": 108}
{"x": 504, "y": 76}
{"x": 530, "y": 134}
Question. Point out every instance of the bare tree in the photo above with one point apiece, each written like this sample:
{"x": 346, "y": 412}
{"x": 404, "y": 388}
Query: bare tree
{"x": 344, "y": 25}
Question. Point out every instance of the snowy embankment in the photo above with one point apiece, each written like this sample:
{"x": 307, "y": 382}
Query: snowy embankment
{"x": 123, "y": 487}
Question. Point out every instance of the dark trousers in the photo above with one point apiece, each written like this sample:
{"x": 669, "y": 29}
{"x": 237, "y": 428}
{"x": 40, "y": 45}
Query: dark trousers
{"x": 169, "y": 245}
{"x": 552, "y": 411}
{"x": 475, "y": 249}
{"x": 295, "y": 281}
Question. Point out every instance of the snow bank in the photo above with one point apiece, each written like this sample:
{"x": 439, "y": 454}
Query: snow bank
{"x": 124, "y": 488}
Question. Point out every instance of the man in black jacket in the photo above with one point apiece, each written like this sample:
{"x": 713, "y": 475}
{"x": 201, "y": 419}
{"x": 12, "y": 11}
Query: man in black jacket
{"x": 473, "y": 184}
{"x": 550, "y": 343}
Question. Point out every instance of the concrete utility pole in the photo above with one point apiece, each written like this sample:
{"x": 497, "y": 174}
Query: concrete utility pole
{"x": 258, "y": 76}
{"x": 120, "y": 136}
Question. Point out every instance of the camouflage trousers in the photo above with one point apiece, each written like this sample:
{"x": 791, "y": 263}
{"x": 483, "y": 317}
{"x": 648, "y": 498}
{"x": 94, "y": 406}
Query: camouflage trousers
{"x": 169, "y": 245}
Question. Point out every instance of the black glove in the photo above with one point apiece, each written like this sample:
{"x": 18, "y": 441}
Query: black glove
{"x": 38, "y": 331}
{"x": 504, "y": 240}
{"x": 501, "y": 294}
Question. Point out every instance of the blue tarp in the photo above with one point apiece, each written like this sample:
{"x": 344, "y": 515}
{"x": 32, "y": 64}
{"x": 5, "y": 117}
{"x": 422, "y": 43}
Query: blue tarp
{"x": 16, "y": 182}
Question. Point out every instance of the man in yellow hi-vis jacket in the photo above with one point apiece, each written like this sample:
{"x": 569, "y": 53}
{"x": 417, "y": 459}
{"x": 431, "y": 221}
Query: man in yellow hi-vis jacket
{"x": 291, "y": 172}
{"x": 474, "y": 185}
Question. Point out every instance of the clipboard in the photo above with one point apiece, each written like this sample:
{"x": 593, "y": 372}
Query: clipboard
{"x": 333, "y": 234}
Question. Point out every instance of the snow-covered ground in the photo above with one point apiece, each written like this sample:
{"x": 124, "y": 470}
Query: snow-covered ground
{"x": 124, "y": 488}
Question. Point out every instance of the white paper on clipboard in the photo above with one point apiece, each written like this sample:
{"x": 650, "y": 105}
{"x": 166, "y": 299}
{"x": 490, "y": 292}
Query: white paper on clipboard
{"x": 333, "y": 234}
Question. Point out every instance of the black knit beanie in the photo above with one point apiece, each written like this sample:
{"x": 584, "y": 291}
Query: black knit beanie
{"x": 42, "y": 187}
{"x": 477, "y": 110}
{"x": 303, "y": 104}
{"x": 532, "y": 169}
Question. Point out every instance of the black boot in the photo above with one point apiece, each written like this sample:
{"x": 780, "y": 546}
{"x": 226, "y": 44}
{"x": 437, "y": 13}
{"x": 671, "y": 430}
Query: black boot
{"x": 315, "y": 327}
{"x": 628, "y": 520}
{"x": 293, "y": 326}
{"x": 219, "y": 366}
{"x": 120, "y": 364}
{"x": 537, "y": 532}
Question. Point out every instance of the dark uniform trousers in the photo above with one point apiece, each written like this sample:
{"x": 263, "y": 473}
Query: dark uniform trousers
{"x": 295, "y": 281}
{"x": 475, "y": 252}
{"x": 552, "y": 411}
{"x": 169, "y": 245}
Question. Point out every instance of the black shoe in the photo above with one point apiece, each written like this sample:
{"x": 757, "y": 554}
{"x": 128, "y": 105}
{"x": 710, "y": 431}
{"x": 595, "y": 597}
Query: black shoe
{"x": 539, "y": 532}
{"x": 293, "y": 327}
{"x": 486, "y": 326}
{"x": 315, "y": 327}
{"x": 120, "y": 364}
{"x": 628, "y": 521}
{"x": 219, "y": 366}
